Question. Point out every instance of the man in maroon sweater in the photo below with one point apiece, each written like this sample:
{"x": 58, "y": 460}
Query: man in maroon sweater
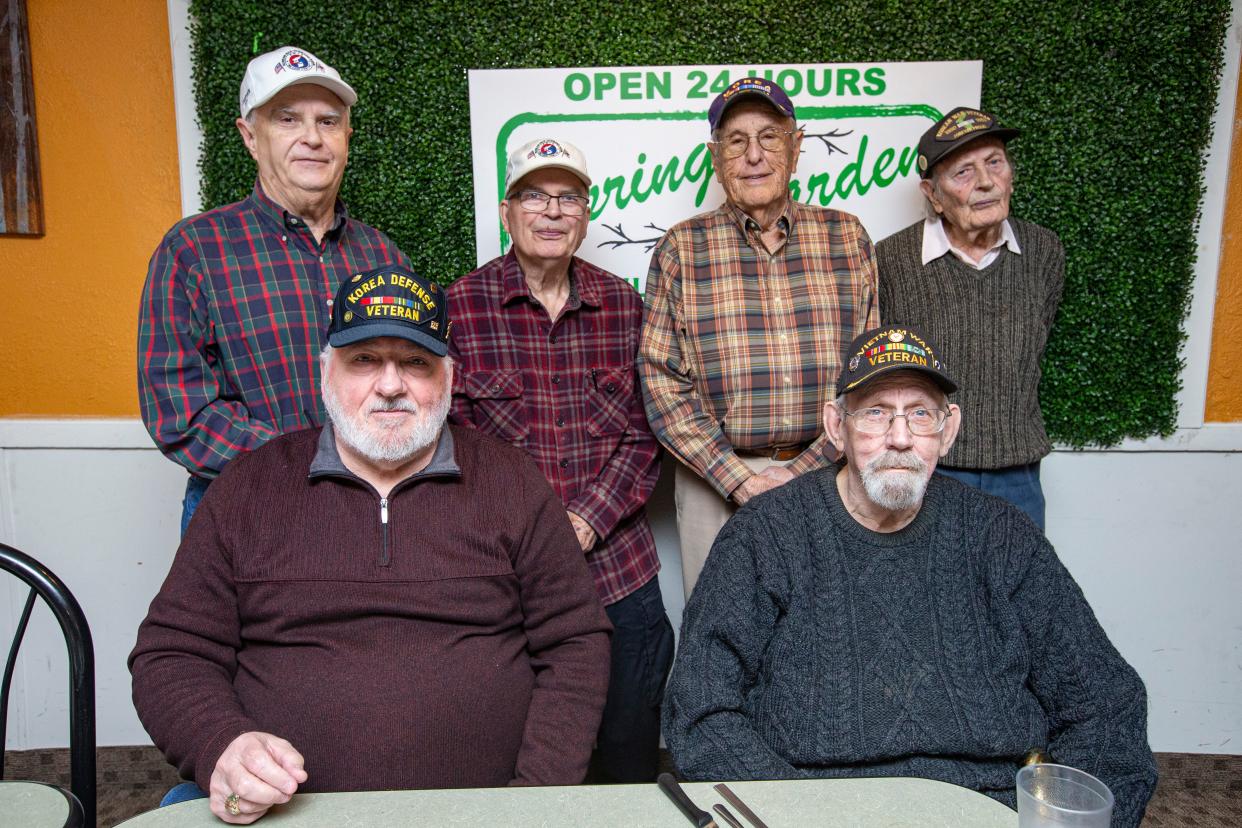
{"x": 386, "y": 602}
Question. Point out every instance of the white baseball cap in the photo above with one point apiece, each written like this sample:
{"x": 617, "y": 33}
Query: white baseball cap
{"x": 545, "y": 153}
{"x": 271, "y": 72}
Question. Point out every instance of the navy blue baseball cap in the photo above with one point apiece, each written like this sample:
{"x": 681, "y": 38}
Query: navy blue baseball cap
{"x": 390, "y": 301}
{"x": 766, "y": 90}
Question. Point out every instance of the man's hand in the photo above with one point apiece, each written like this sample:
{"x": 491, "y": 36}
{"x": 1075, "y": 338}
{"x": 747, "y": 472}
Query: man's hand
{"x": 769, "y": 478}
{"x": 261, "y": 769}
{"x": 586, "y": 535}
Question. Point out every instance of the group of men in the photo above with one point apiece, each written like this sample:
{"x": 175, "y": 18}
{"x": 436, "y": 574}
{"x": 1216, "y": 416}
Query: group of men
{"x": 422, "y": 558}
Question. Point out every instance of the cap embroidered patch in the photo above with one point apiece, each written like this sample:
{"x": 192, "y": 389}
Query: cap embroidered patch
{"x": 547, "y": 149}
{"x": 962, "y": 123}
{"x": 887, "y": 349}
{"x": 390, "y": 301}
{"x": 747, "y": 84}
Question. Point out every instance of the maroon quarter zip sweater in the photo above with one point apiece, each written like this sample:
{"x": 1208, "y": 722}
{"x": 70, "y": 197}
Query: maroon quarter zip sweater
{"x": 449, "y": 636}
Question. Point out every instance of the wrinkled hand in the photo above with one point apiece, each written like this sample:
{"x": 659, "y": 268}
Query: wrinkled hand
{"x": 756, "y": 484}
{"x": 586, "y": 535}
{"x": 262, "y": 769}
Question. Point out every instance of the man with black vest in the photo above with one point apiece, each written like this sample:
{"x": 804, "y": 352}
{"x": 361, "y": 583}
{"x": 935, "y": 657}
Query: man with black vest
{"x": 989, "y": 285}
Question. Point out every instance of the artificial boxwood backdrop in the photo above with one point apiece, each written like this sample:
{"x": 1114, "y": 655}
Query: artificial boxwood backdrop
{"x": 1114, "y": 99}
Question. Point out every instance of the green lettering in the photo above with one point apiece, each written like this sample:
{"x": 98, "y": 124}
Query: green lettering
{"x": 884, "y": 159}
{"x": 819, "y": 91}
{"x": 721, "y": 83}
{"x": 906, "y": 161}
{"x": 603, "y": 82}
{"x": 847, "y": 79}
{"x": 850, "y": 179}
{"x": 631, "y": 86}
{"x": 577, "y": 86}
{"x": 875, "y": 81}
{"x": 821, "y": 182}
{"x": 660, "y": 86}
{"x": 791, "y": 81}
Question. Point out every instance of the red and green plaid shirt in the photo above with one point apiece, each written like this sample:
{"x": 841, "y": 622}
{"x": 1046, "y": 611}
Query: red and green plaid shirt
{"x": 566, "y": 392}
{"x": 233, "y": 317}
{"x": 741, "y": 348}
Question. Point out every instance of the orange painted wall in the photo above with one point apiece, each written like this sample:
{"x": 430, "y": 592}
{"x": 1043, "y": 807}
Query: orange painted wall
{"x": 108, "y": 150}
{"x": 1224, "y": 393}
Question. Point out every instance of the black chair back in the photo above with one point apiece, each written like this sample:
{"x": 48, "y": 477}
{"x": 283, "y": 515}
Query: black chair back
{"x": 44, "y": 583}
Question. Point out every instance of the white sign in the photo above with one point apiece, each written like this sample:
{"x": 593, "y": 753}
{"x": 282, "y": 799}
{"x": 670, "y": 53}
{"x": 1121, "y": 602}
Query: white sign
{"x": 643, "y": 131}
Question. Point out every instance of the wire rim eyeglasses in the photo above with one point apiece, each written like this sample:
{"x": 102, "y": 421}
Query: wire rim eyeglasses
{"x": 537, "y": 201}
{"x": 922, "y": 422}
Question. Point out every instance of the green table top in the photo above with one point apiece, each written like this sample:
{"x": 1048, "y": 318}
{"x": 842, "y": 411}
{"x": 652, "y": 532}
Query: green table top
{"x": 857, "y": 803}
{"x": 32, "y": 805}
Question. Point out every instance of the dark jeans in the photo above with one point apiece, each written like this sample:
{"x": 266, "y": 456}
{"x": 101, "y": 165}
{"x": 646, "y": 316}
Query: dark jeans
{"x": 195, "y": 487}
{"x": 627, "y": 749}
{"x": 1017, "y": 484}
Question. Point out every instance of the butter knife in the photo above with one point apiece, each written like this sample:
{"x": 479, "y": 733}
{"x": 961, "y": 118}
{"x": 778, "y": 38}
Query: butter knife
{"x": 671, "y": 788}
{"x": 736, "y": 802}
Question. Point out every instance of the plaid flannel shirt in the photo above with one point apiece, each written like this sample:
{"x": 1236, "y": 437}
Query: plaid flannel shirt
{"x": 233, "y": 317}
{"x": 566, "y": 392}
{"x": 741, "y": 348}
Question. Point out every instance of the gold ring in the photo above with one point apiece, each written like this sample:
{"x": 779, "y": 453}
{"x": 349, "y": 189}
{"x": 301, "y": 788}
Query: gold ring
{"x": 232, "y": 804}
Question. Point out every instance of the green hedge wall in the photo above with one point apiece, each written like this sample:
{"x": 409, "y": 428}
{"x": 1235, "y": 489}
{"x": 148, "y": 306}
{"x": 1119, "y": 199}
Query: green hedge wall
{"x": 1115, "y": 101}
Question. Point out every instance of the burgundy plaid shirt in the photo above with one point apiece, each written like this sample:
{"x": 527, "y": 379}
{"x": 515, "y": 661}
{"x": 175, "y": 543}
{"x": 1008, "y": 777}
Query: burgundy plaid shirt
{"x": 232, "y": 321}
{"x": 566, "y": 392}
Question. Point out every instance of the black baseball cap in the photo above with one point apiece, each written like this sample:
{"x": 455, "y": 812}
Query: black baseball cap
{"x": 890, "y": 348}
{"x": 767, "y": 90}
{"x": 956, "y": 130}
{"x": 390, "y": 301}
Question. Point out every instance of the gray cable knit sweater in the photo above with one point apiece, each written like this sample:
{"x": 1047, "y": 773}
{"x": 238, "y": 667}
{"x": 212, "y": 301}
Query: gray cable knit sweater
{"x": 991, "y": 326}
{"x": 814, "y": 647}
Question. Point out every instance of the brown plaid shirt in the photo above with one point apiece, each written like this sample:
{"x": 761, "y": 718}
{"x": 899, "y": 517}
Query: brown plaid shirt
{"x": 741, "y": 347}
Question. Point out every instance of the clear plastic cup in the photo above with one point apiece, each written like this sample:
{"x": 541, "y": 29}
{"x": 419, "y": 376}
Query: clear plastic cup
{"x": 1051, "y": 796}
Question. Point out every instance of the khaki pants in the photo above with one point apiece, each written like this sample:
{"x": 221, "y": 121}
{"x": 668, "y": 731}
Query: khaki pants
{"x": 701, "y": 514}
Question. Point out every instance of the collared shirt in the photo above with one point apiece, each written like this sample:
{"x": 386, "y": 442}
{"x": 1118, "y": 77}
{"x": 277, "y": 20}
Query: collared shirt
{"x": 233, "y": 316}
{"x": 566, "y": 391}
{"x": 741, "y": 347}
{"x": 936, "y": 243}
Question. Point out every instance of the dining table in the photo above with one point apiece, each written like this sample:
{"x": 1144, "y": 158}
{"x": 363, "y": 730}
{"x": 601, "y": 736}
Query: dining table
{"x": 857, "y": 803}
{"x": 38, "y": 805}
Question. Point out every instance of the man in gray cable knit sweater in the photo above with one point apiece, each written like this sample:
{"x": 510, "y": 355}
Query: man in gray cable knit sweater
{"x": 874, "y": 619}
{"x": 989, "y": 285}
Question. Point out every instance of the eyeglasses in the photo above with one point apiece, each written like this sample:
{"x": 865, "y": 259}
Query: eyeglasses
{"x": 770, "y": 140}
{"x": 571, "y": 204}
{"x": 921, "y": 421}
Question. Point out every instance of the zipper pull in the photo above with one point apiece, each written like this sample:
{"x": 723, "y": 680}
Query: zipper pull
{"x": 384, "y": 510}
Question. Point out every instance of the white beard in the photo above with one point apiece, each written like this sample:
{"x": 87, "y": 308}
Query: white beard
{"x": 388, "y": 442}
{"x": 895, "y": 491}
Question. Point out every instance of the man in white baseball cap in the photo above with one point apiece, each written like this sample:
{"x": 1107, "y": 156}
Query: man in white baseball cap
{"x": 237, "y": 298}
{"x": 544, "y": 343}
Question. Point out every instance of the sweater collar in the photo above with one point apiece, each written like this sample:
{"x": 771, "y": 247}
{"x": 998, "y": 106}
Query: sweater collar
{"x": 914, "y": 530}
{"x": 327, "y": 461}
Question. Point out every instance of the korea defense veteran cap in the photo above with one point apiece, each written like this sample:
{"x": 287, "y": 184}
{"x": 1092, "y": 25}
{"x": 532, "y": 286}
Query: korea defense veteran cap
{"x": 390, "y": 301}
{"x": 890, "y": 348}
{"x": 767, "y": 90}
{"x": 271, "y": 72}
{"x": 543, "y": 153}
{"x": 956, "y": 130}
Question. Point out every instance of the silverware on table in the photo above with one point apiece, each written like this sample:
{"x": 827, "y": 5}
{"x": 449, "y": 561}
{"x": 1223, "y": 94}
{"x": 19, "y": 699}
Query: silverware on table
{"x": 736, "y": 802}
{"x": 727, "y": 815}
{"x": 700, "y": 818}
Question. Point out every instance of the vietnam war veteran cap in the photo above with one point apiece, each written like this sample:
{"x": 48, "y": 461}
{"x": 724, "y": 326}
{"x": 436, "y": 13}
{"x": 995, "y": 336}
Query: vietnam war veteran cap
{"x": 390, "y": 301}
{"x": 767, "y": 90}
{"x": 955, "y": 130}
{"x": 890, "y": 348}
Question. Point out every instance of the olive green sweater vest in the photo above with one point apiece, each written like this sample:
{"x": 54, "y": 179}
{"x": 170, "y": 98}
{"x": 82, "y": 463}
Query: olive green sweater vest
{"x": 991, "y": 327}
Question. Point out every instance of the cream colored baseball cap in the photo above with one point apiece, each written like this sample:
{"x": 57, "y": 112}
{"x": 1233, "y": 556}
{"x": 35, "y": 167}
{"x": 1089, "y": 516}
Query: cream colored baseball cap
{"x": 545, "y": 153}
{"x": 273, "y": 71}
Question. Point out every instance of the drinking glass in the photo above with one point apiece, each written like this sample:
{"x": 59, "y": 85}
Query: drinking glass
{"x": 1056, "y": 796}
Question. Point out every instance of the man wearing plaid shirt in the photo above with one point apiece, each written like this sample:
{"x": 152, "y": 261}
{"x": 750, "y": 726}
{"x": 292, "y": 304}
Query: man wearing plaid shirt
{"x": 748, "y": 309}
{"x": 545, "y": 345}
{"x": 237, "y": 298}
